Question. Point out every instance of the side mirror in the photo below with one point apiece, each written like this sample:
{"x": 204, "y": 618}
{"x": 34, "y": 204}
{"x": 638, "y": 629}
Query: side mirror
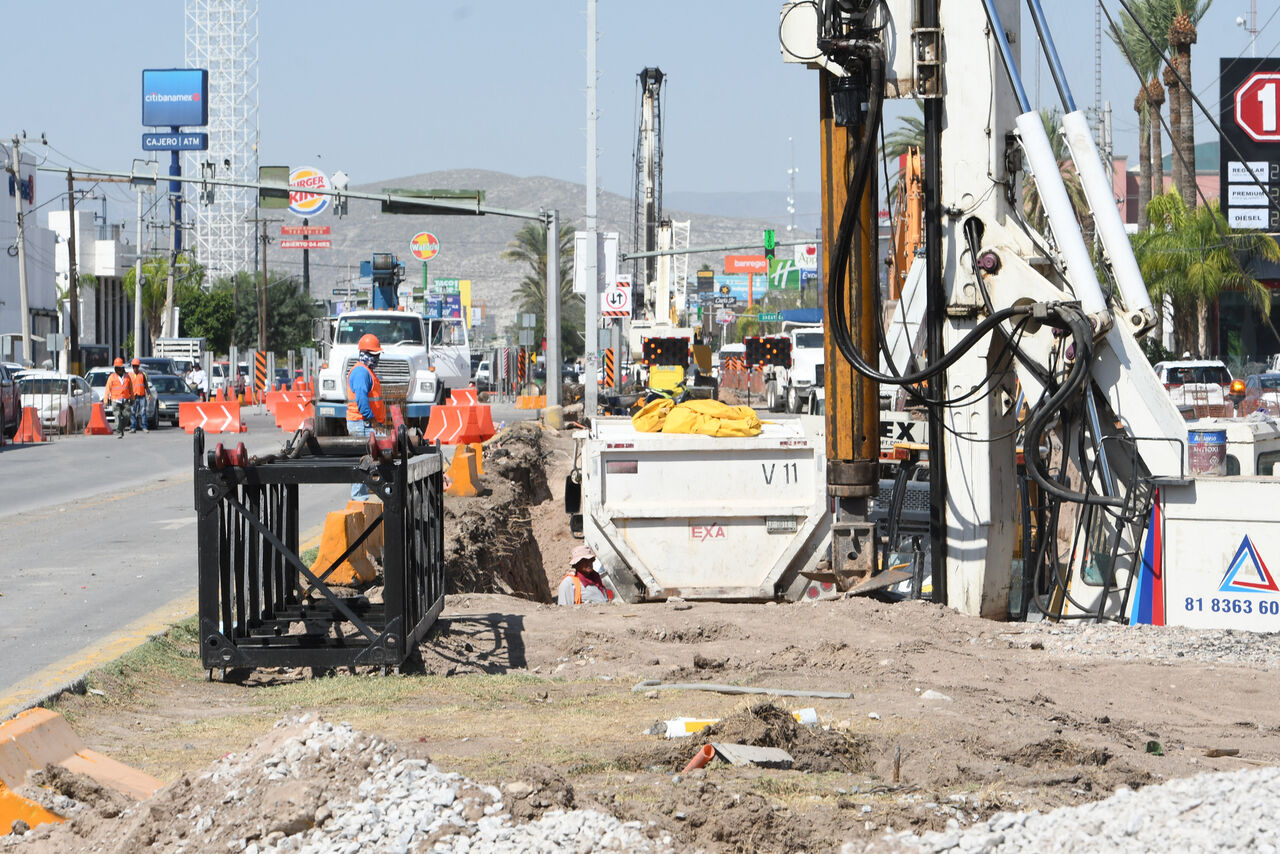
{"x": 573, "y": 497}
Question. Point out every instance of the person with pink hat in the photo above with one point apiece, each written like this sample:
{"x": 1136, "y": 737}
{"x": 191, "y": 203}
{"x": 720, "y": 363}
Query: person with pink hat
{"x": 582, "y": 583}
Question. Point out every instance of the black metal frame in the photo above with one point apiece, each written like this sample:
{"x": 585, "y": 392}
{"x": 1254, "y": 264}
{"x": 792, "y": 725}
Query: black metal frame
{"x": 253, "y": 585}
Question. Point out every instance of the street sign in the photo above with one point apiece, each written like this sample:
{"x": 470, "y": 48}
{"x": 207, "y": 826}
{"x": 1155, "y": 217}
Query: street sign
{"x": 724, "y": 317}
{"x": 1257, "y": 105}
{"x": 347, "y": 292}
{"x": 528, "y": 320}
{"x": 306, "y": 244}
{"x": 616, "y": 301}
{"x": 525, "y": 338}
{"x": 606, "y": 260}
{"x": 769, "y": 317}
{"x": 723, "y": 300}
{"x": 424, "y": 246}
{"x": 302, "y": 203}
{"x": 1249, "y": 170}
{"x": 300, "y": 230}
{"x": 175, "y": 142}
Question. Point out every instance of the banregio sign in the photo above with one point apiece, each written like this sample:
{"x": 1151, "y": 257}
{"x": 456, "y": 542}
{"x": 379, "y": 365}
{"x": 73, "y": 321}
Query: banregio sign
{"x": 1250, "y": 148}
{"x": 175, "y": 97}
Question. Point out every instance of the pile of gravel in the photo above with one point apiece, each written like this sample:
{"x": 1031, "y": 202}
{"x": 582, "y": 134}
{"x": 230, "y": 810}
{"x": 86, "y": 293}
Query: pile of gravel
{"x": 1216, "y": 812}
{"x": 1154, "y": 643}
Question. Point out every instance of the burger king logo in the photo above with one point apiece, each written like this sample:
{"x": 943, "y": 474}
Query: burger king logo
{"x": 301, "y": 202}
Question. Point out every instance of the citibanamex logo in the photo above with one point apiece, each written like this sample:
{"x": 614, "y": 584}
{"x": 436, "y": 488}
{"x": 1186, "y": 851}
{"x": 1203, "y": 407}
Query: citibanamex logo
{"x": 301, "y": 202}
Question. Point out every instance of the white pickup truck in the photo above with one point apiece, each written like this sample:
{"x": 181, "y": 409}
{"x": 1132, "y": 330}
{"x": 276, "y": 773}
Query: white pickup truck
{"x": 422, "y": 360}
{"x": 791, "y": 387}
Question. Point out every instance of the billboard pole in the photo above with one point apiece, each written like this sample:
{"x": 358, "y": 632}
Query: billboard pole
{"x": 175, "y": 239}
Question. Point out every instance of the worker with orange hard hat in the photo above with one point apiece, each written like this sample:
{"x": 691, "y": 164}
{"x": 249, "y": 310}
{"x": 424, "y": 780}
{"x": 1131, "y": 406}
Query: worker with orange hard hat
{"x": 118, "y": 395}
{"x": 141, "y": 386}
{"x": 366, "y": 411}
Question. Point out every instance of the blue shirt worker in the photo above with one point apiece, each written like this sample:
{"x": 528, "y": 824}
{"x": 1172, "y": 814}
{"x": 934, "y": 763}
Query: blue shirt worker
{"x": 366, "y": 411}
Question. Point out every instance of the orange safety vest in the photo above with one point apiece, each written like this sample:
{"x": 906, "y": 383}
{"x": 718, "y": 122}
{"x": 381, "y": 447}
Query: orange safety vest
{"x": 118, "y": 387}
{"x": 139, "y": 382}
{"x": 577, "y": 588}
{"x": 375, "y": 398}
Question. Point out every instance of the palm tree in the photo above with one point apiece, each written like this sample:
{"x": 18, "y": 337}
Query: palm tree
{"x": 1182, "y": 35}
{"x": 908, "y": 134}
{"x": 1191, "y": 256}
{"x": 155, "y": 279}
{"x": 529, "y": 247}
{"x": 1145, "y": 61}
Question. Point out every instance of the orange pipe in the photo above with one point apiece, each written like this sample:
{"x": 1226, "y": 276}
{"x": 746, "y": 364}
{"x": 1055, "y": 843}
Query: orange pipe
{"x": 701, "y": 758}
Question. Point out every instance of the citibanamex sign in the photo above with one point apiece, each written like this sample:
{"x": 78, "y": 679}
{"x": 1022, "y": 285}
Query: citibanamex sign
{"x": 301, "y": 202}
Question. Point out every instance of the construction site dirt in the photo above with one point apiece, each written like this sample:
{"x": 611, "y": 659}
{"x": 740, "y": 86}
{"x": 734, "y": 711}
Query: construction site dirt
{"x": 949, "y": 718}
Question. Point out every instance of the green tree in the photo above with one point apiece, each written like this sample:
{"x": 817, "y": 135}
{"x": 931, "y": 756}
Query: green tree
{"x": 1145, "y": 60}
{"x": 1191, "y": 256}
{"x": 290, "y": 312}
{"x": 208, "y": 315}
{"x": 155, "y": 282}
{"x": 529, "y": 247}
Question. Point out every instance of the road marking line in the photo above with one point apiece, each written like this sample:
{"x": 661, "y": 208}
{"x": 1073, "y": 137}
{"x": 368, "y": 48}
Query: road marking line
{"x": 68, "y": 669}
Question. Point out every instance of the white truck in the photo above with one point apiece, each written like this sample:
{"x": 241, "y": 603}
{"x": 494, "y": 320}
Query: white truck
{"x": 423, "y": 359}
{"x": 792, "y": 386}
{"x": 704, "y": 517}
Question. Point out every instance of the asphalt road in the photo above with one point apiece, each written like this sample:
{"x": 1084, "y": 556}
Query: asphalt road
{"x": 96, "y": 532}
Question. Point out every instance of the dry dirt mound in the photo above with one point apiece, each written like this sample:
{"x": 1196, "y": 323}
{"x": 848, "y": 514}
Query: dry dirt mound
{"x": 489, "y": 543}
{"x": 312, "y": 786}
{"x": 764, "y": 725}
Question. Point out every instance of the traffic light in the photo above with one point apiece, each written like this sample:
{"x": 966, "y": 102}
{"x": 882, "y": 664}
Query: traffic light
{"x": 768, "y": 243}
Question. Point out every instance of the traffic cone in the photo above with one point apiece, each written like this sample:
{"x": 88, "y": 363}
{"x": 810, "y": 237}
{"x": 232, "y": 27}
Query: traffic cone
{"x": 462, "y": 473}
{"x": 30, "y": 430}
{"x": 97, "y": 422}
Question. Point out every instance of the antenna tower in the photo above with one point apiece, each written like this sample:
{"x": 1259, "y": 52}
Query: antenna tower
{"x": 222, "y": 36}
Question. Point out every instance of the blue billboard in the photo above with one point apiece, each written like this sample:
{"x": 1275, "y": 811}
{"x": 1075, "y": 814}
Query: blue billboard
{"x": 175, "y": 97}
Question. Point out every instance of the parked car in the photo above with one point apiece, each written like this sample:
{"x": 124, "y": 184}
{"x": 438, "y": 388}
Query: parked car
{"x": 483, "y": 378}
{"x": 60, "y": 400}
{"x": 159, "y": 365}
{"x": 1199, "y": 384}
{"x": 10, "y": 402}
{"x": 97, "y": 379}
{"x": 1262, "y": 392}
{"x": 169, "y": 392}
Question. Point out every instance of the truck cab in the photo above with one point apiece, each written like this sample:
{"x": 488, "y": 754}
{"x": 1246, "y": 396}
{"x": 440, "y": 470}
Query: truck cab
{"x": 422, "y": 360}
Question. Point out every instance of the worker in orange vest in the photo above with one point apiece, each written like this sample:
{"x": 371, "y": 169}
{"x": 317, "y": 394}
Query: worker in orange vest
{"x": 366, "y": 411}
{"x": 119, "y": 395}
{"x": 141, "y": 387}
{"x": 582, "y": 583}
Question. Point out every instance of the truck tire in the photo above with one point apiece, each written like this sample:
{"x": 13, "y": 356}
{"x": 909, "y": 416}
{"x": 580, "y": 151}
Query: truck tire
{"x": 329, "y": 427}
{"x": 771, "y": 397}
{"x": 793, "y": 400}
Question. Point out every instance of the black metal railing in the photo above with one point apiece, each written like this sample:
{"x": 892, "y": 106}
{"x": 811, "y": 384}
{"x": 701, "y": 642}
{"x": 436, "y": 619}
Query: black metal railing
{"x": 260, "y": 605}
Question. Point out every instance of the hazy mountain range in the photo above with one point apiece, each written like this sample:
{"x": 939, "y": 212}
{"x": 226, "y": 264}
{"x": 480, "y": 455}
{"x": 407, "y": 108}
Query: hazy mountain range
{"x": 470, "y": 246}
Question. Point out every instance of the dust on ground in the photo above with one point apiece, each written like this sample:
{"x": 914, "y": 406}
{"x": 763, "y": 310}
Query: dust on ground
{"x": 952, "y": 718}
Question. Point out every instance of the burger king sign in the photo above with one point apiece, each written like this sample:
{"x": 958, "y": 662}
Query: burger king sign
{"x": 301, "y": 180}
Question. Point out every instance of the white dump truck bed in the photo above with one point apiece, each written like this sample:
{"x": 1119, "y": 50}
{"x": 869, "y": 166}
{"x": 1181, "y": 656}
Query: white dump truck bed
{"x": 703, "y": 517}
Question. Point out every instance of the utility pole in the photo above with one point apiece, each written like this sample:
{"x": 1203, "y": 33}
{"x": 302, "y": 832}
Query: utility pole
{"x": 553, "y": 308}
{"x": 15, "y": 168}
{"x": 137, "y": 282}
{"x": 262, "y": 294}
{"x": 591, "y": 346}
{"x": 73, "y": 290}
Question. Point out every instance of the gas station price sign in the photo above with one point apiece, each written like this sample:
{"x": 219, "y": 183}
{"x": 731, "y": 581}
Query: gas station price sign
{"x": 1249, "y": 169}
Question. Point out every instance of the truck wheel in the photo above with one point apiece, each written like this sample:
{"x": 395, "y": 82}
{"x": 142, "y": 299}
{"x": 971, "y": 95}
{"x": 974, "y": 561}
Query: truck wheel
{"x": 771, "y": 397}
{"x": 793, "y": 401}
{"x": 327, "y": 427}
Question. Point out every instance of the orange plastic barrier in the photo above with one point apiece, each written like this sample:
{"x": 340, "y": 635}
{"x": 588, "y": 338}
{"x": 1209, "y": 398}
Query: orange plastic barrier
{"x": 291, "y": 413}
{"x": 464, "y": 396}
{"x": 214, "y": 417}
{"x": 30, "y": 430}
{"x": 341, "y": 529}
{"x": 531, "y": 401}
{"x": 98, "y": 425}
{"x": 272, "y": 399}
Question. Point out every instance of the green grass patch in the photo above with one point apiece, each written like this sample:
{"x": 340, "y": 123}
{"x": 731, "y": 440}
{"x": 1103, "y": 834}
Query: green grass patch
{"x": 309, "y": 555}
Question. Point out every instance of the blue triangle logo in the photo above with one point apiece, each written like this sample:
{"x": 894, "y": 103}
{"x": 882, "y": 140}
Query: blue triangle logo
{"x": 1247, "y": 573}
